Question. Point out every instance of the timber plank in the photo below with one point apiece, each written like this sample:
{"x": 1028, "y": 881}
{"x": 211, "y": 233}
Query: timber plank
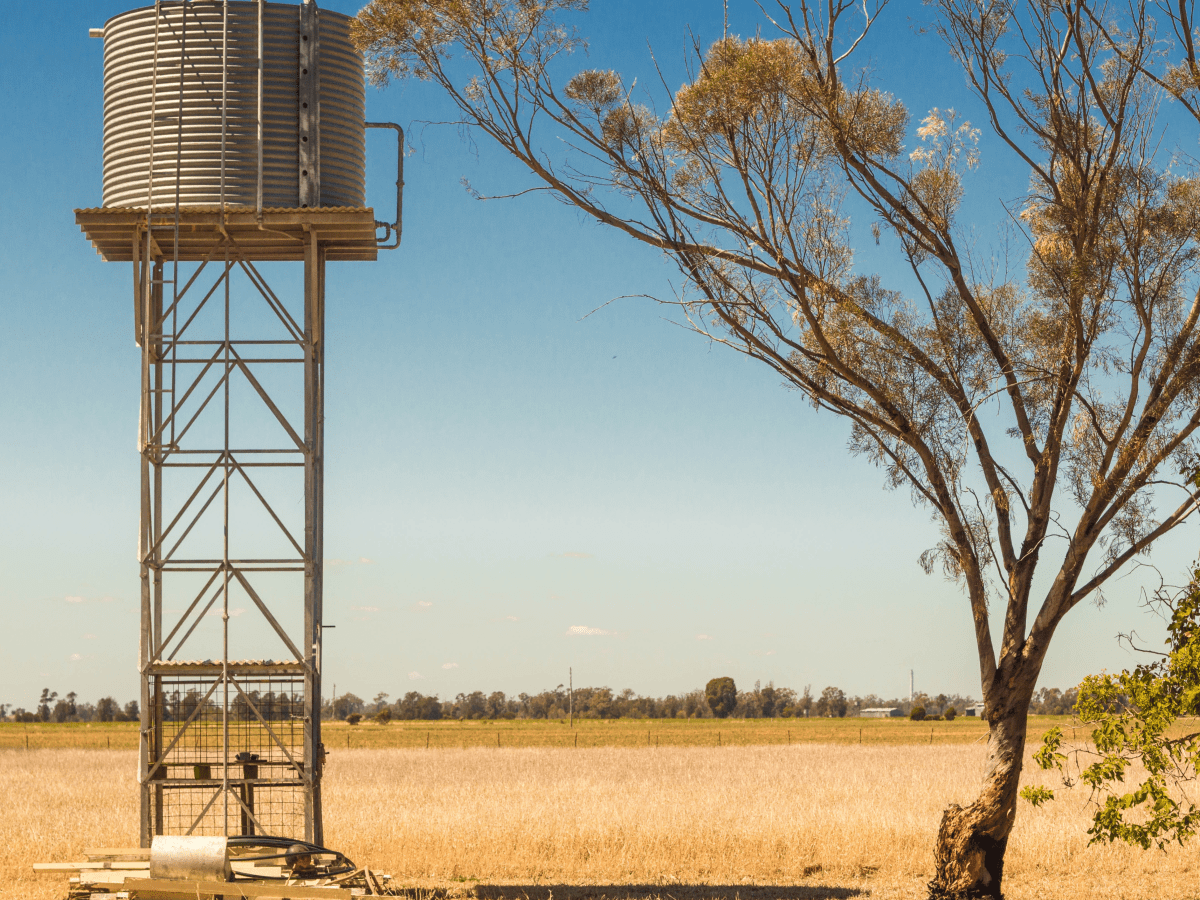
{"x": 162, "y": 889}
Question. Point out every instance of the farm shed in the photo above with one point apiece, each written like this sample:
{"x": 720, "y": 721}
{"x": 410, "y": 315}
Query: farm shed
{"x": 881, "y": 712}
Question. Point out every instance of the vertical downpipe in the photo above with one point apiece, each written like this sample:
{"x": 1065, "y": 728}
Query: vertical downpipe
{"x": 259, "y": 191}
{"x": 225, "y": 456}
{"x": 224, "y": 94}
{"x": 308, "y": 110}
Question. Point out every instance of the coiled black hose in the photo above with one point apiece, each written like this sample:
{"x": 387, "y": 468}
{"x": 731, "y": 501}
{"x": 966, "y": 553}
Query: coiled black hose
{"x": 340, "y": 865}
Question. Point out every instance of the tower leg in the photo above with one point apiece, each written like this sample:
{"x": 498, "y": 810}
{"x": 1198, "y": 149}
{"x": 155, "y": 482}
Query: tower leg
{"x": 314, "y": 442}
{"x": 148, "y": 291}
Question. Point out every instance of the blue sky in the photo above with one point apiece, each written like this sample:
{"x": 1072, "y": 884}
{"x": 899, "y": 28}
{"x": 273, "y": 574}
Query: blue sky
{"x": 502, "y": 472}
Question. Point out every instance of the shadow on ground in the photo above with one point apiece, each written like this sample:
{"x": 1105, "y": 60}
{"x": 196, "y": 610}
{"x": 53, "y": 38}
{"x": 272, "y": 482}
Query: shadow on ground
{"x": 665, "y": 891}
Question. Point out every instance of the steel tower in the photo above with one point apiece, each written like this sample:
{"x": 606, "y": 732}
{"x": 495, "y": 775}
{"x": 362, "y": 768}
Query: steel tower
{"x": 231, "y": 414}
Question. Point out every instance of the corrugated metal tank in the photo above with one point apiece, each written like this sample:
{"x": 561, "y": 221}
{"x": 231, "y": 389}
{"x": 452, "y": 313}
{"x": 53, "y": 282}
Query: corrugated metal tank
{"x": 137, "y": 92}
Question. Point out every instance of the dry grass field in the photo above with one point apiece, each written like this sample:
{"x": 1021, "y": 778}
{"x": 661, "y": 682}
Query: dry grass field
{"x": 667, "y": 823}
{"x": 587, "y": 734}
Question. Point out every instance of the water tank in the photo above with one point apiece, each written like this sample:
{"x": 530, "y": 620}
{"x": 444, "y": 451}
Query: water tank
{"x": 172, "y": 95}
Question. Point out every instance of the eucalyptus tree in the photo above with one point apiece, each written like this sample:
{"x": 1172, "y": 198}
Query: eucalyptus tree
{"x": 1083, "y": 352}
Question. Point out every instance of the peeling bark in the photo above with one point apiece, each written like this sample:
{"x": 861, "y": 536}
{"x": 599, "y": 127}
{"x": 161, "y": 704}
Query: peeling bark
{"x": 969, "y": 854}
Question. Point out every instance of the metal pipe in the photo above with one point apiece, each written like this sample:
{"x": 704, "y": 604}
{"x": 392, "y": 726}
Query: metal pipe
{"x": 259, "y": 193}
{"x": 397, "y": 225}
{"x": 224, "y": 99}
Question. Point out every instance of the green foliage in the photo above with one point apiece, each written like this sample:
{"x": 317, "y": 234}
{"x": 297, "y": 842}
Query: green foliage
{"x": 44, "y": 710}
{"x": 917, "y": 713}
{"x": 950, "y": 713}
{"x": 342, "y": 706}
{"x": 721, "y": 694}
{"x": 353, "y": 718}
{"x": 833, "y": 703}
{"x": 1133, "y": 715}
{"x": 383, "y": 716}
{"x": 107, "y": 710}
{"x": 1037, "y": 795}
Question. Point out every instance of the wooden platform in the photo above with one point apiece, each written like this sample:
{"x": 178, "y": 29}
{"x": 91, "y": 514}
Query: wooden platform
{"x": 347, "y": 233}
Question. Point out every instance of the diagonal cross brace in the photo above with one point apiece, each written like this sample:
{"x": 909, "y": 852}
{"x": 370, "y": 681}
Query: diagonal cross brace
{"x": 267, "y": 400}
{"x": 271, "y": 731}
{"x": 269, "y": 617}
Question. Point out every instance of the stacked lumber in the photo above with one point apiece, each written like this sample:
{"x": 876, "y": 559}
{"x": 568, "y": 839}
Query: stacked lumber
{"x": 110, "y": 873}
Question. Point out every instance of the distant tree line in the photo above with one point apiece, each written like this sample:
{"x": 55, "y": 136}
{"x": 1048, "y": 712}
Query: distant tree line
{"x": 52, "y": 708}
{"x": 1053, "y": 702}
{"x": 719, "y": 699}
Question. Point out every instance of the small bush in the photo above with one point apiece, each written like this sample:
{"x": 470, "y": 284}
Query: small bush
{"x": 917, "y": 714}
{"x": 384, "y": 715}
{"x": 950, "y": 713}
{"x": 933, "y": 718}
{"x": 353, "y": 718}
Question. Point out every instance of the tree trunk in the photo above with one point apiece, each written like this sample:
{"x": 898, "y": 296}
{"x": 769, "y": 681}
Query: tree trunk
{"x": 969, "y": 856}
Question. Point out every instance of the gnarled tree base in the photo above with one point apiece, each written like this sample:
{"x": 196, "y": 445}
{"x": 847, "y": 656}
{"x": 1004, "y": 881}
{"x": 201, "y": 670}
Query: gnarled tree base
{"x": 968, "y": 863}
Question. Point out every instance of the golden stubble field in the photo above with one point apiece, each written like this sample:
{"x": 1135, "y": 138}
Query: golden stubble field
{"x": 800, "y": 821}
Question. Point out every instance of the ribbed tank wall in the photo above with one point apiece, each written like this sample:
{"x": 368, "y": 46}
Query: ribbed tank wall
{"x": 135, "y": 92}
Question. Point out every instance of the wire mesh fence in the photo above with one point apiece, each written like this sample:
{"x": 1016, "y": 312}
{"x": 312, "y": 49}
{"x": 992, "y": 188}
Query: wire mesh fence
{"x": 229, "y": 758}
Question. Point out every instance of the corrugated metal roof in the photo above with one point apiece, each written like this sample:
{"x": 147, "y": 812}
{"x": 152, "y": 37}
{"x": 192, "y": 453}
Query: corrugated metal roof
{"x": 168, "y": 663}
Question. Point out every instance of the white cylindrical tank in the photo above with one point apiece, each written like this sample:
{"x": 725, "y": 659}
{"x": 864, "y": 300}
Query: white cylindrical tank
{"x": 176, "y": 101}
{"x": 190, "y": 858}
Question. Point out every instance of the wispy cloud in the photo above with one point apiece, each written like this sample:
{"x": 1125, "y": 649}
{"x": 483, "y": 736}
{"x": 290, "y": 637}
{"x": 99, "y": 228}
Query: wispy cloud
{"x": 703, "y": 637}
{"x": 365, "y": 608}
{"x": 575, "y": 554}
{"x": 361, "y": 561}
{"x": 75, "y": 657}
{"x": 89, "y": 637}
{"x": 511, "y": 619}
{"x": 763, "y": 653}
{"x": 415, "y": 676}
{"x": 586, "y": 630}
{"x": 73, "y": 599}
{"x": 449, "y": 665}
